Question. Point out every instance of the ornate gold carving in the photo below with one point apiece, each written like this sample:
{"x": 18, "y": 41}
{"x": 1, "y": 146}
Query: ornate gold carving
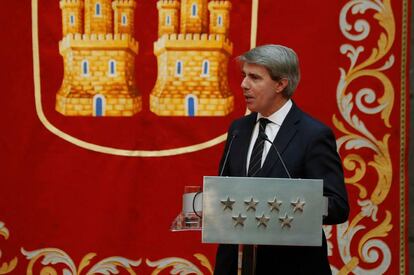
{"x": 6, "y": 267}
{"x": 180, "y": 266}
{"x": 50, "y": 257}
{"x": 357, "y": 135}
{"x": 53, "y": 256}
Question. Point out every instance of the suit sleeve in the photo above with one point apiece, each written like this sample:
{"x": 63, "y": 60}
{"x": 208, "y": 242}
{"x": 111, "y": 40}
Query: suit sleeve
{"x": 323, "y": 162}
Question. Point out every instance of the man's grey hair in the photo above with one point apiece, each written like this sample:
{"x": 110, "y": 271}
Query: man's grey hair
{"x": 280, "y": 62}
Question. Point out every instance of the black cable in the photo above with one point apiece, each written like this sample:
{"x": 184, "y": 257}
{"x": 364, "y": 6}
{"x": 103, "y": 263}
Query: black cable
{"x": 195, "y": 196}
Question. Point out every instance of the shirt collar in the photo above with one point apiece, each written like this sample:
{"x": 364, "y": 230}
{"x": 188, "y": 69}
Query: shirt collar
{"x": 279, "y": 116}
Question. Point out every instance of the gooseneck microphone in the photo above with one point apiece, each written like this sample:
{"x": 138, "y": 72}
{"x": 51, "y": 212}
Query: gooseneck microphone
{"x": 264, "y": 137}
{"x": 233, "y": 136}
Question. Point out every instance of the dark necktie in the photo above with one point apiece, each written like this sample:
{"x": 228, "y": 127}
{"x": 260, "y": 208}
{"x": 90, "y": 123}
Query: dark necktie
{"x": 255, "y": 163}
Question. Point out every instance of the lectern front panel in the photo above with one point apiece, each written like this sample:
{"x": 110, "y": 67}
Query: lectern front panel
{"x": 273, "y": 211}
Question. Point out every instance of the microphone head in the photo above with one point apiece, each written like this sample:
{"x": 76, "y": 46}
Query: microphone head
{"x": 235, "y": 133}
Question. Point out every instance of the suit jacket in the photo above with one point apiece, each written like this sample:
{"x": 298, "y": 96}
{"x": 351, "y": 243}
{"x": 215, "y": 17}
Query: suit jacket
{"x": 308, "y": 149}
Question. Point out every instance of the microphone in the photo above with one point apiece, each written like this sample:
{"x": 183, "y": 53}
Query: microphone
{"x": 233, "y": 136}
{"x": 264, "y": 137}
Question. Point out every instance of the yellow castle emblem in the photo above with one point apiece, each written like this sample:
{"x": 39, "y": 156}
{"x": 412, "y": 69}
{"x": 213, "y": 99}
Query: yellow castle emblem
{"x": 192, "y": 51}
{"x": 98, "y": 50}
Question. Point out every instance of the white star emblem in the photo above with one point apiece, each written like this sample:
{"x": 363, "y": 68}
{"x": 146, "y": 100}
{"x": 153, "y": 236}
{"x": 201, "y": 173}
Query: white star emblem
{"x": 285, "y": 221}
{"x": 263, "y": 220}
{"x": 251, "y": 204}
{"x": 298, "y": 205}
{"x": 275, "y": 204}
{"x": 239, "y": 220}
{"x": 228, "y": 203}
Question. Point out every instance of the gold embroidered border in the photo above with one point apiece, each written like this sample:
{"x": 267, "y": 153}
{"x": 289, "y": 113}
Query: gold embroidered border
{"x": 403, "y": 135}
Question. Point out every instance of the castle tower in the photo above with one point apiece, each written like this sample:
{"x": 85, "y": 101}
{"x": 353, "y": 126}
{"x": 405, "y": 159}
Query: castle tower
{"x": 124, "y": 16}
{"x": 194, "y": 16}
{"x": 192, "y": 64}
{"x": 98, "y": 16}
{"x": 168, "y": 17}
{"x": 99, "y": 66}
{"x": 72, "y": 17}
{"x": 219, "y": 17}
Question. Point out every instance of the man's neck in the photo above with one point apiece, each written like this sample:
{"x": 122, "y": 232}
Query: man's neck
{"x": 278, "y": 105}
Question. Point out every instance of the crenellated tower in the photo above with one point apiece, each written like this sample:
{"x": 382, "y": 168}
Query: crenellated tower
{"x": 99, "y": 59}
{"x": 219, "y": 17}
{"x": 124, "y": 16}
{"x": 194, "y": 16}
{"x": 192, "y": 63}
{"x": 72, "y": 16}
{"x": 169, "y": 17}
{"x": 98, "y": 16}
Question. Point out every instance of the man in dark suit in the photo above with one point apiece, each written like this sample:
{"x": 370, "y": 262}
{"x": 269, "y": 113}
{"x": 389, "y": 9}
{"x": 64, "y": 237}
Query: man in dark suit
{"x": 307, "y": 147}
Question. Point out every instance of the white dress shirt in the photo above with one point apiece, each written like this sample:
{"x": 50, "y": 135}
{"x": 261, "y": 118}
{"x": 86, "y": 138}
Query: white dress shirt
{"x": 272, "y": 128}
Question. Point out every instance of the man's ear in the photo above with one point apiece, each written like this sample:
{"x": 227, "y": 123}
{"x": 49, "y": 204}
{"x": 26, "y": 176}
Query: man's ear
{"x": 281, "y": 84}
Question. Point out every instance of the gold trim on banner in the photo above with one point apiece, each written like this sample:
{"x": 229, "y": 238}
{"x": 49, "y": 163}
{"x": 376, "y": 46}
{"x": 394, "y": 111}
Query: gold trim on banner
{"x": 356, "y": 135}
{"x": 106, "y": 149}
{"x": 253, "y": 31}
{"x": 403, "y": 135}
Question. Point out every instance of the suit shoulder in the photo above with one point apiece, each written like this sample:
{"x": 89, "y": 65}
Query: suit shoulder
{"x": 242, "y": 121}
{"x": 312, "y": 124}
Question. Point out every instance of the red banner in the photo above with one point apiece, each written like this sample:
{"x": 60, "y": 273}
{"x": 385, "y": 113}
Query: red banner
{"x": 110, "y": 108}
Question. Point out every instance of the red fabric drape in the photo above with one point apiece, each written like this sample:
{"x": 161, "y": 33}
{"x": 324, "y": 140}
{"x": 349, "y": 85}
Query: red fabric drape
{"x": 64, "y": 201}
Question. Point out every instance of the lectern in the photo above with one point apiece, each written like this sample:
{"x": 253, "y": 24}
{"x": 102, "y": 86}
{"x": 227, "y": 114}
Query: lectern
{"x": 265, "y": 211}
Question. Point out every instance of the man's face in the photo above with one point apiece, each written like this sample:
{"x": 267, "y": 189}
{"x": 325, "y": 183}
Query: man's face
{"x": 262, "y": 93}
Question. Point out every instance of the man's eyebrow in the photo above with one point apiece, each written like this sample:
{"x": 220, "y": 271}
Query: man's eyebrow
{"x": 253, "y": 75}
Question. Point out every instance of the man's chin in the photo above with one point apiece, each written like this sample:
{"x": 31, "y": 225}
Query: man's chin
{"x": 250, "y": 105}
{"x": 251, "y": 108}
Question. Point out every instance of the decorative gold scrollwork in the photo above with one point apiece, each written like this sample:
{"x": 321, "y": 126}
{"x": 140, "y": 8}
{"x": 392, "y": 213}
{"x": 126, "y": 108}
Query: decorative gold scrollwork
{"x": 353, "y": 106}
{"x": 180, "y": 266}
{"x": 53, "y": 256}
{"x": 6, "y": 267}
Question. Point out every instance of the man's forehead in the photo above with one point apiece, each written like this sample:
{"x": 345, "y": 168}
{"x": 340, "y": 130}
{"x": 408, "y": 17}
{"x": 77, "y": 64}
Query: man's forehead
{"x": 250, "y": 68}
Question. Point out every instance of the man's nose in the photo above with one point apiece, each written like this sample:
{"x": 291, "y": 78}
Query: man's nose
{"x": 244, "y": 84}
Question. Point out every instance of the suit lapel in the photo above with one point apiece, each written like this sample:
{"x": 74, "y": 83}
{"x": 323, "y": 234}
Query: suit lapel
{"x": 286, "y": 132}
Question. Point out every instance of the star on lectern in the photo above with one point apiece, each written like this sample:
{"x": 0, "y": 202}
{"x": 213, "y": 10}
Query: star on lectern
{"x": 275, "y": 204}
{"x": 285, "y": 221}
{"x": 227, "y": 203}
{"x": 251, "y": 204}
{"x": 298, "y": 205}
{"x": 239, "y": 220}
{"x": 263, "y": 220}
